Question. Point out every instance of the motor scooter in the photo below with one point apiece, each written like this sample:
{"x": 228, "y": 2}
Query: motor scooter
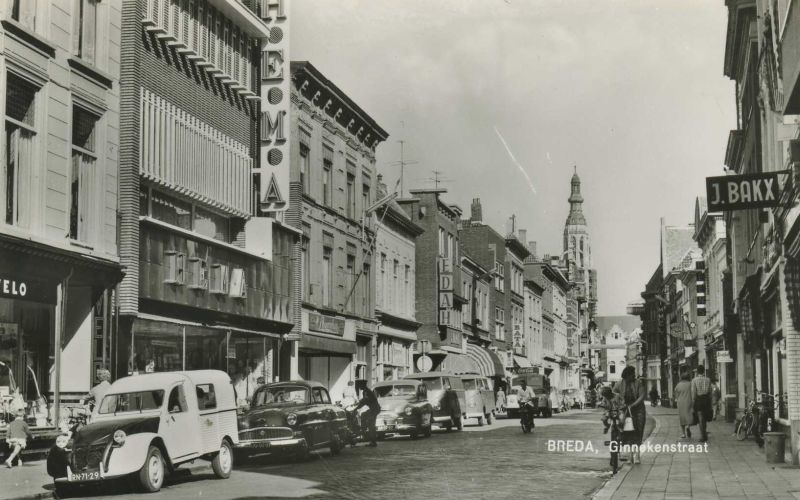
{"x": 526, "y": 420}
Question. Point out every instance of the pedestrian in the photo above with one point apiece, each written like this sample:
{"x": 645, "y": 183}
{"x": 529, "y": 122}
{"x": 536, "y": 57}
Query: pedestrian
{"x": 633, "y": 392}
{"x": 98, "y": 392}
{"x": 683, "y": 395}
{"x": 716, "y": 396}
{"x": 701, "y": 399}
{"x": 653, "y": 396}
{"x": 17, "y": 436}
{"x": 369, "y": 400}
{"x": 500, "y": 400}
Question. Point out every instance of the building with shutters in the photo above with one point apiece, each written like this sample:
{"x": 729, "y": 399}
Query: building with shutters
{"x": 208, "y": 280}
{"x": 335, "y": 182}
{"x": 59, "y": 264}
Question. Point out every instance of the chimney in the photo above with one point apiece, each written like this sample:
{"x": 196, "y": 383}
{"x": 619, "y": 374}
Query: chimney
{"x": 532, "y": 249}
{"x": 522, "y": 235}
{"x": 476, "y": 212}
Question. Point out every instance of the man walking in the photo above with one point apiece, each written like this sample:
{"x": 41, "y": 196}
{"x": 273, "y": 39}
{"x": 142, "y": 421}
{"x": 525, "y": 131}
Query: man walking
{"x": 701, "y": 396}
{"x": 716, "y": 396}
{"x": 369, "y": 400}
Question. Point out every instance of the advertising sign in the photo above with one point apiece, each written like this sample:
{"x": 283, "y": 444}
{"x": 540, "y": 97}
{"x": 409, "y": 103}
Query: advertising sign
{"x": 741, "y": 192}
{"x": 724, "y": 357}
{"x": 445, "y": 268}
{"x": 276, "y": 79}
{"x": 325, "y": 324}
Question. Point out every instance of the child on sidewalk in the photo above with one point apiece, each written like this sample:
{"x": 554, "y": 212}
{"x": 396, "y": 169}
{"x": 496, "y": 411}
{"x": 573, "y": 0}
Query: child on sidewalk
{"x": 611, "y": 401}
{"x": 17, "y": 437}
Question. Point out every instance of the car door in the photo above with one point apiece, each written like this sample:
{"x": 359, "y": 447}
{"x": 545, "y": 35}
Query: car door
{"x": 472, "y": 396}
{"x": 208, "y": 417}
{"x": 321, "y": 414}
{"x": 180, "y": 427}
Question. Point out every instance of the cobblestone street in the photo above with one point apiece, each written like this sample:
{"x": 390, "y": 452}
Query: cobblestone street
{"x": 497, "y": 461}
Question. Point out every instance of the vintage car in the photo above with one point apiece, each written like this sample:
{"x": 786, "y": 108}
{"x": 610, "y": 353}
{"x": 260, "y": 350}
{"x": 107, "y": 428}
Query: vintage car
{"x": 292, "y": 418}
{"x": 480, "y": 398}
{"x": 540, "y": 384}
{"x": 404, "y": 408}
{"x": 146, "y": 426}
{"x": 446, "y": 396}
{"x": 574, "y": 397}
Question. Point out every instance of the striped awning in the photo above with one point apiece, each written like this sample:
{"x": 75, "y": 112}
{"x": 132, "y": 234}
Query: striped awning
{"x": 460, "y": 364}
{"x": 488, "y": 361}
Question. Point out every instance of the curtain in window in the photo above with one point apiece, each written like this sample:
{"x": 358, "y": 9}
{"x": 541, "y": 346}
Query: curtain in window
{"x": 81, "y": 187}
{"x": 16, "y": 174}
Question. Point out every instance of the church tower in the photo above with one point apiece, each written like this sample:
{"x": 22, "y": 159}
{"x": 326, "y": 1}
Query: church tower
{"x": 577, "y": 256}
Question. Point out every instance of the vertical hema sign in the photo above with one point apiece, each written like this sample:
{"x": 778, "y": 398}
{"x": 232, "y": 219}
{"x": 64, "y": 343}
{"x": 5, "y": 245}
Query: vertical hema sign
{"x": 276, "y": 99}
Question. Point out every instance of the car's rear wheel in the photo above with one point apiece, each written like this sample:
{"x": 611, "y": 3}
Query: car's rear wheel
{"x": 481, "y": 421}
{"x": 489, "y": 418}
{"x": 427, "y": 431}
{"x": 336, "y": 444}
{"x": 222, "y": 464}
{"x": 151, "y": 475}
{"x": 459, "y": 425}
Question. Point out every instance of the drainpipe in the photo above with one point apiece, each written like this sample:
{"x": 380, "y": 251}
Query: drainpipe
{"x": 59, "y": 336}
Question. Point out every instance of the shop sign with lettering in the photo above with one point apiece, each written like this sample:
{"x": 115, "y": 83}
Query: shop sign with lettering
{"x": 445, "y": 276}
{"x": 724, "y": 357}
{"x": 741, "y": 192}
{"x": 325, "y": 324}
{"x": 275, "y": 104}
{"x": 26, "y": 289}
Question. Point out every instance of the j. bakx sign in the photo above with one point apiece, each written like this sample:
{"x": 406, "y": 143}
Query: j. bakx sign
{"x": 741, "y": 192}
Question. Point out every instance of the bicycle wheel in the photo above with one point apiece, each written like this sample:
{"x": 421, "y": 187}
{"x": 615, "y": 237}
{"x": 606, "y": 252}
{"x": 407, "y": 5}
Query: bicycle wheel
{"x": 742, "y": 428}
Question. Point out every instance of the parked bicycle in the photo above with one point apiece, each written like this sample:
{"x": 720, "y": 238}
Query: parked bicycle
{"x": 758, "y": 418}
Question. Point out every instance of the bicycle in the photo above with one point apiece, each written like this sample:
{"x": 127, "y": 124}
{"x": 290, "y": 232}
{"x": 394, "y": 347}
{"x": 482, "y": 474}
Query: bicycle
{"x": 747, "y": 424}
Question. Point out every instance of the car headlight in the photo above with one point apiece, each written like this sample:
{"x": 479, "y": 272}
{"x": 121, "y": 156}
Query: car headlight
{"x": 291, "y": 419}
{"x": 119, "y": 437}
{"x": 409, "y": 411}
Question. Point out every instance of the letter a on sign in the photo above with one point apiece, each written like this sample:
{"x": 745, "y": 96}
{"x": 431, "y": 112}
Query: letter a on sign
{"x": 273, "y": 195}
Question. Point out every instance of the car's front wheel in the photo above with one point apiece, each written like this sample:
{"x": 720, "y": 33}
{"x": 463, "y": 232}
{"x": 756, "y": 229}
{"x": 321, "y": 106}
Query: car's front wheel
{"x": 222, "y": 464}
{"x": 151, "y": 475}
{"x": 336, "y": 444}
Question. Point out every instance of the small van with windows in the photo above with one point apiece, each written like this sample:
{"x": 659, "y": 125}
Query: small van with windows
{"x": 479, "y": 397}
{"x": 446, "y": 396}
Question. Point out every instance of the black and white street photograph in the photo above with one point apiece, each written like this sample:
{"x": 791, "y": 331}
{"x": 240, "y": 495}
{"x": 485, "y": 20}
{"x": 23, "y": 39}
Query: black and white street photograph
{"x": 382, "y": 249}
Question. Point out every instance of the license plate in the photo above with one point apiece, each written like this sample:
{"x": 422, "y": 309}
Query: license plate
{"x": 264, "y": 444}
{"x": 85, "y": 476}
{"x": 380, "y": 427}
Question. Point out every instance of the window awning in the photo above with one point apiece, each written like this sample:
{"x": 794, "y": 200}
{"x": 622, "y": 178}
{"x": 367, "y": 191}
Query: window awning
{"x": 310, "y": 342}
{"x": 488, "y": 361}
{"x": 460, "y": 363}
{"x": 522, "y": 361}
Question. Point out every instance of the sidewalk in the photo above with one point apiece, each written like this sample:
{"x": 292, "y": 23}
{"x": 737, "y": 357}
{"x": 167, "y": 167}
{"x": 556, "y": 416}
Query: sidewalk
{"x": 731, "y": 469}
{"x": 29, "y": 481}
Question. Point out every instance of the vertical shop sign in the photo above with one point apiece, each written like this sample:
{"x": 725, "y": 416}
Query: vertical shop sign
{"x": 445, "y": 290}
{"x": 275, "y": 102}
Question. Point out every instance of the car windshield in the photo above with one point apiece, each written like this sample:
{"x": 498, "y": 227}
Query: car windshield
{"x": 470, "y": 385}
{"x": 432, "y": 384}
{"x": 281, "y": 395}
{"x": 132, "y": 401}
{"x": 396, "y": 391}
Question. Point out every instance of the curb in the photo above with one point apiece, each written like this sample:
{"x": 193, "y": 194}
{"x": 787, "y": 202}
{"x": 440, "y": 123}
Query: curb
{"x": 612, "y": 485}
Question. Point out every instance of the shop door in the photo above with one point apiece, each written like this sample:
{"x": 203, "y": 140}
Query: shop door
{"x": 180, "y": 426}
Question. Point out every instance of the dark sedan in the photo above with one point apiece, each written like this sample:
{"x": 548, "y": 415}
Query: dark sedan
{"x": 292, "y": 418}
{"x": 404, "y": 408}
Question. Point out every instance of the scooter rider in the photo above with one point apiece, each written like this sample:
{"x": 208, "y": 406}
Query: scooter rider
{"x": 525, "y": 396}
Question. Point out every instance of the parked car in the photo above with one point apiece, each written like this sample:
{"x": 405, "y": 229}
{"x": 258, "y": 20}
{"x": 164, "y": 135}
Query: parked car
{"x": 147, "y": 425}
{"x": 575, "y": 398}
{"x": 292, "y": 418}
{"x": 404, "y": 408}
{"x": 479, "y": 397}
{"x": 446, "y": 396}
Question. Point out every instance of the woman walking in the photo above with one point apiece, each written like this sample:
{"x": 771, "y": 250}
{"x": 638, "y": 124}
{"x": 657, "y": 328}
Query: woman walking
{"x": 683, "y": 394}
{"x": 633, "y": 392}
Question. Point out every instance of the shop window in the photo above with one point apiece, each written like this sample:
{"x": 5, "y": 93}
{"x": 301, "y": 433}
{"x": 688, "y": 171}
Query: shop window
{"x": 238, "y": 285}
{"x": 175, "y": 263}
{"x": 82, "y": 172}
{"x": 219, "y": 279}
{"x": 199, "y": 270}
{"x": 19, "y": 149}
{"x": 84, "y": 29}
{"x": 206, "y": 397}
{"x": 212, "y": 225}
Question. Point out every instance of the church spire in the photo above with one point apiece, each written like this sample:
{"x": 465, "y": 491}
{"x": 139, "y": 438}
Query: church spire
{"x": 576, "y": 202}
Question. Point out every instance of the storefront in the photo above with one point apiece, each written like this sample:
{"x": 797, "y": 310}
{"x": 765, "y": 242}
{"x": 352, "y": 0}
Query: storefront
{"x": 165, "y": 344}
{"x": 329, "y": 353}
{"x": 50, "y": 329}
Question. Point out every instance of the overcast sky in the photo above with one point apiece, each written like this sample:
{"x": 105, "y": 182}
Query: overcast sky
{"x": 632, "y": 92}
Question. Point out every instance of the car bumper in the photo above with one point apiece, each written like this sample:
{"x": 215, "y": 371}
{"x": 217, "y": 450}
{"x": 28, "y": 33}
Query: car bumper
{"x": 87, "y": 477}
{"x": 272, "y": 444}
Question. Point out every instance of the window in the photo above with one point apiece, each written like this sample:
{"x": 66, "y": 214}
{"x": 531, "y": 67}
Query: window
{"x": 365, "y": 284}
{"x": 238, "y": 284}
{"x": 84, "y": 126}
{"x": 212, "y": 225}
{"x": 19, "y": 149}
{"x": 327, "y": 182}
{"x": 177, "y": 400}
{"x": 24, "y": 12}
{"x": 351, "y": 278}
{"x": 305, "y": 167}
{"x": 365, "y": 201}
{"x": 451, "y": 245}
{"x": 442, "y": 248}
{"x": 206, "y": 397}
{"x": 306, "y": 266}
{"x": 499, "y": 276}
{"x": 171, "y": 210}
{"x": 327, "y": 273}
{"x": 174, "y": 263}
{"x": 84, "y": 29}
{"x": 320, "y": 395}
{"x": 351, "y": 196}
{"x": 219, "y": 279}
{"x": 409, "y": 302}
{"x": 398, "y": 297}
{"x": 499, "y": 323}
{"x": 382, "y": 292}
{"x": 199, "y": 269}
{"x": 612, "y": 368}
